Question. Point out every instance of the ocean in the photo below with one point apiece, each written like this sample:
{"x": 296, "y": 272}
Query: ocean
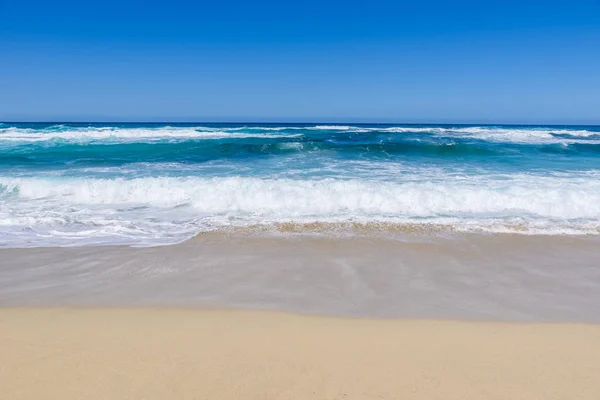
{"x": 75, "y": 184}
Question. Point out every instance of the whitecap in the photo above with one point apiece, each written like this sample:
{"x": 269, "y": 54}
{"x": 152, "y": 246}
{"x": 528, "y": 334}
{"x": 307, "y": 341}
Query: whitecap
{"x": 171, "y": 209}
{"x": 118, "y": 135}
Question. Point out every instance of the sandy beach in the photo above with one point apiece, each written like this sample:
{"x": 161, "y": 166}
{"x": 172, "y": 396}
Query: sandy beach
{"x": 238, "y": 316}
{"x": 195, "y": 354}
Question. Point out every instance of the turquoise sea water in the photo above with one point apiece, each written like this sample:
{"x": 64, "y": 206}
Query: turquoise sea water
{"x": 144, "y": 184}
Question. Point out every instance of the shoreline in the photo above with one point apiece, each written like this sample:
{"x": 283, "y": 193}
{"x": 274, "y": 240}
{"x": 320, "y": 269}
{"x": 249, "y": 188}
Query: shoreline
{"x": 147, "y": 353}
{"x": 459, "y": 276}
{"x": 402, "y": 231}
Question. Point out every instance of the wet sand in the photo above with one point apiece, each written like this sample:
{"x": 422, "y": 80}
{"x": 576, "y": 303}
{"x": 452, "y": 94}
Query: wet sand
{"x": 192, "y": 354}
{"x": 449, "y": 276}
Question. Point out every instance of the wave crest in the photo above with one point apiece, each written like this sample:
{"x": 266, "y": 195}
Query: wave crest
{"x": 127, "y": 135}
{"x": 550, "y": 197}
{"x": 167, "y": 210}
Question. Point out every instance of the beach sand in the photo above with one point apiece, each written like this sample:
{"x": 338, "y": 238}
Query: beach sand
{"x": 342, "y": 318}
{"x": 509, "y": 278}
{"x": 146, "y": 353}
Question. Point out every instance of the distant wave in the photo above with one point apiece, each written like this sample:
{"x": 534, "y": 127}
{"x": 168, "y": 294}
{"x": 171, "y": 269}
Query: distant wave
{"x": 332, "y": 127}
{"x": 521, "y": 135}
{"x": 498, "y": 134}
{"x": 125, "y": 135}
{"x": 213, "y": 150}
{"x": 169, "y": 133}
{"x": 502, "y": 134}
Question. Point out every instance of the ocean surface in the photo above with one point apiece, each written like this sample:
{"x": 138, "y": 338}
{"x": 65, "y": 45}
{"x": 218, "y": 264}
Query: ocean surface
{"x": 151, "y": 184}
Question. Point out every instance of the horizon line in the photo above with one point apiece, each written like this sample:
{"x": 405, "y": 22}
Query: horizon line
{"x": 273, "y": 122}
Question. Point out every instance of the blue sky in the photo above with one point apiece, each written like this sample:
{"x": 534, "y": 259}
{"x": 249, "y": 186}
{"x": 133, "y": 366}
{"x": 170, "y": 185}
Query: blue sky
{"x": 506, "y": 61}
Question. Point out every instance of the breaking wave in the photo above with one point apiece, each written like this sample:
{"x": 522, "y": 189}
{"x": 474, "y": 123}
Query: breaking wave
{"x": 519, "y": 135}
{"x": 166, "y": 210}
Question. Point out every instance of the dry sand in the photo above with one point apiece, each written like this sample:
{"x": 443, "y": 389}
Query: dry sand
{"x": 202, "y": 354}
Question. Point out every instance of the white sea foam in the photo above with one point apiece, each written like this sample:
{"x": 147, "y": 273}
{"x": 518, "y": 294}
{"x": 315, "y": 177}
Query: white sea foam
{"x": 523, "y": 135}
{"x": 128, "y": 134}
{"x": 167, "y": 210}
{"x": 547, "y": 197}
{"x": 508, "y": 135}
{"x": 495, "y": 134}
{"x": 488, "y": 133}
{"x": 168, "y": 133}
{"x": 333, "y": 127}
{"x": 291, "y": 146}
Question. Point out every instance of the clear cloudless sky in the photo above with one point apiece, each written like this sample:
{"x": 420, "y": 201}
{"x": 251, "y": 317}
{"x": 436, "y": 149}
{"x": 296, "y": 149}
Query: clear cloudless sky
{"x": 485, "y": 61}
